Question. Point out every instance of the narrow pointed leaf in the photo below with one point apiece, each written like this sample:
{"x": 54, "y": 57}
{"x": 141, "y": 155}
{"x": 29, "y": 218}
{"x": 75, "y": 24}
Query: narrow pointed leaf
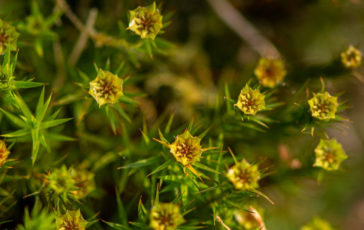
{"x": 18, "y": 133}
{"x": 59, "y": 137}
{"x": 40, "y": 102}
{"x": 141, "y": 163}
{"x": 26, "y": 84}
{"x": 50, "y": 124}
{"x": 161, "y": 167}
{"x": 36, "y": 144}
{"x": 17, "y": 121}
{"x": 23, "y": 107}
{"x": 43, "y": 110}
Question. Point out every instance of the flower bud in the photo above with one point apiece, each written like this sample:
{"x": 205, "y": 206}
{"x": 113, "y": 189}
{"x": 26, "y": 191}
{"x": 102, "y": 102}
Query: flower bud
{"x": 329, "y": 154}
{"x": 71, "y": 220}
{"x": 351, "y": 58}
{"x": 186, "y": 148}
{"x": 146, "y": 21}
{"x": 250, "y": 101}
{"x": 244, "y": 176}
{"x": 270, "y": 72}
{"x": 106, "y": 88}
{"x": 8, "y": 37}
{"x": 323, "y": 106}
{"x": 4, "y": 153}
{"x": 165, "y": 216}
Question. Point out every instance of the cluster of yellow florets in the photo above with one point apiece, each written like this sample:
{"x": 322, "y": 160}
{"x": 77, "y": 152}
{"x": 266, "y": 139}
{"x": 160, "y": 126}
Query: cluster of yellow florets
{"x": 165, "y": 216}
{"x": 71, "y": 220}
{"x": 244, "y": 176}
{"x": 329, "y": 154}
{"x": 146, "y": 21}
{"x": 351, "y": 58}
{"x": 270, "y": 72}
{"x": 323, "y": 106}
{"x": 8, "y": 37}
{"x": 250, "y": 101}
{"x": 186, "y": 148}
{"x": 4, "y": 153}
{"x": 106, "y": 88}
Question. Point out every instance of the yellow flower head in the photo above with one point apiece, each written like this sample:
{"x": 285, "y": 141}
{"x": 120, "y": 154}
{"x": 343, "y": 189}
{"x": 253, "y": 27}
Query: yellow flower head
{"x": 165, "y": 216}
{"x": 351, "y": 58}
{"x": 4, "y": 153}
{"x": 8, "y": 37}
{"x": 270, "y": 72}
{"x": 244, "y": 176}
{"x": 250, "y": 100}
{"x": 323, "y": 106}
{"x": 186, "y": 148}
{"x": 249, "y": 219}
{"x": 72, "y": 220}
{"x": 317, "y": 224}
{"x": 106, "y": 88}
{"x": 329, "y": 154}
{"x": 146, "y": 21}
{"x": 84, "y": 181}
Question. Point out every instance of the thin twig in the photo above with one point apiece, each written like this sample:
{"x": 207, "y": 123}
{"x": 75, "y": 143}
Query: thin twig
{"x": 222, "y": 223}
{"x": 238, "y": 23}
{"x": 99, "y": 38}
{"x": 258, "y": 218}
{"x": 60, "y": 65}
{"x": 68, "y": 12}
{"x": 82, "y": 40}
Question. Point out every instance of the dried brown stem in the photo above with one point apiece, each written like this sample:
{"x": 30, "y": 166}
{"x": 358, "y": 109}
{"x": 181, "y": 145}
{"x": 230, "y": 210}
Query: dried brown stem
{"x": 240, "y": 25}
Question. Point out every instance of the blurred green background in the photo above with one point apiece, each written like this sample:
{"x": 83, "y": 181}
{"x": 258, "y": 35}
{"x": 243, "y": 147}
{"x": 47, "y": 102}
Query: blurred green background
{"x": 310, "y": 34}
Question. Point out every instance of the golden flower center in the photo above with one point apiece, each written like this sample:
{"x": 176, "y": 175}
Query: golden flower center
{"x": 329, "y": 156}
{"x": 270, "y": 71}
{"x": 185, "y": 150}
{"x": 165, "y": 219}
{"x": 352, "y": 56}
{"x": 2, "y": 152}
{"x": 70, "y": 225}
{"x": 3, "y": 38}
{"x": 145, "y": 21}
{"x": 105, "y": 89}
{"x": 244, "y": 177}
{"x": 322, "y": 108}
{"x": 249, "y": 102}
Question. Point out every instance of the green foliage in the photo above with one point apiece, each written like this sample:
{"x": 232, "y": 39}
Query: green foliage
{"x": 39, "y": 219}
{"x": 159, "y": 117}
{"x": 35, "y": 127}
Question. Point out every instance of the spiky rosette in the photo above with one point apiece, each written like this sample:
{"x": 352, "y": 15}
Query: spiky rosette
{"x": 323, "y": 106}
{"x": 329, "y": 155}
{"x": 165, "y": 216}
{"x": 244, "y": 176}
{"x": 106, "y": 88}
{"x": 146, "y": 21}
{"x": 250, "y": 101}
